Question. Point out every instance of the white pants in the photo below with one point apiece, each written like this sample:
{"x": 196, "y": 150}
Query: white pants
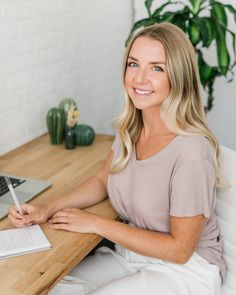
{"x": 123, "y": 272}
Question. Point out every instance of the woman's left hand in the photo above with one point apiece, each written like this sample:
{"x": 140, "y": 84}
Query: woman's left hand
{"x": 75, "y": 220}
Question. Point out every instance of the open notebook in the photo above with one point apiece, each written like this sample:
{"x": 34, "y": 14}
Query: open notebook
{"x": 20, "y": 241}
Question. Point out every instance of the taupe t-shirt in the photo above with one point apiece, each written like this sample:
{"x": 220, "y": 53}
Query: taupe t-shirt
{"x": 179, "y": 181}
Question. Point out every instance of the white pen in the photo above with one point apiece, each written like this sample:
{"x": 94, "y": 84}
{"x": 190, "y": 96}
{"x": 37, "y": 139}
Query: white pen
{"x": 15, "y": 199}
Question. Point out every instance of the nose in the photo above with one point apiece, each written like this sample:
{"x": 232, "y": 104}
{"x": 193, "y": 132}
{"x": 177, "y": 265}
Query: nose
{"x": 141, "y": 76}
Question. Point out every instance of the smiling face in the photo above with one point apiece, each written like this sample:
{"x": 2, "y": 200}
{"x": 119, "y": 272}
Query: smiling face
{"x": 146, "y": 77}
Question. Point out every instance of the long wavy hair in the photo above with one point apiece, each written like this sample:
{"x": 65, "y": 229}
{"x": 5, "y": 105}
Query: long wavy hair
{"x": 182, "y": 111}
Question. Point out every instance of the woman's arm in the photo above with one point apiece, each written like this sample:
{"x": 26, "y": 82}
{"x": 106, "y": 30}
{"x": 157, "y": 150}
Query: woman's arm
{"x": 90, "y": 192}
{"x": 177, "y": 246}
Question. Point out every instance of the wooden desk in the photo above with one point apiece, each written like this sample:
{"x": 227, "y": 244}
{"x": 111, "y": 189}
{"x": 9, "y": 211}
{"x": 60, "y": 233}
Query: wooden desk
{"x": 36, "y": 273}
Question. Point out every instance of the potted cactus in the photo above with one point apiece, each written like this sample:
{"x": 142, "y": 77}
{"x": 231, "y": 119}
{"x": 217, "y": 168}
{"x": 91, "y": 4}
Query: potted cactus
{"x": 84, "y": 134}
{"x": 61, "y": 119}
{"x": 55, "y": 124}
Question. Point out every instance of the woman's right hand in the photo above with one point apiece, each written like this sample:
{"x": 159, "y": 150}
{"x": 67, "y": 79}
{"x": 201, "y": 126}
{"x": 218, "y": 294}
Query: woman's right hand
{"x": 32, "y": 215}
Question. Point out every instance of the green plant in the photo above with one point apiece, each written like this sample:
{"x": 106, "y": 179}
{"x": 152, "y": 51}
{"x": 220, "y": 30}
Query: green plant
{"x": 84, "y": 134}
{"x": 55, "y": 124}
{"x": 205, "y": 22}
{"x": 66, "y": 104}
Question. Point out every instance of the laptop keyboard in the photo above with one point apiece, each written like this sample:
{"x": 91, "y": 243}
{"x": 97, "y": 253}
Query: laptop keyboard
{"x": 3, "y": 185}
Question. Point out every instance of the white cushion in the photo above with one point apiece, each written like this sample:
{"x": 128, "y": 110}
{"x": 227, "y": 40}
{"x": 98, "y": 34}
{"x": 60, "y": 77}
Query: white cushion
{"x": 226, "y": 213}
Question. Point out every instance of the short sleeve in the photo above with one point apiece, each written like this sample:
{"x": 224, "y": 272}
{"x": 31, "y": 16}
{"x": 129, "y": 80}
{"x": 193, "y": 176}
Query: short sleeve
{"x": 116, "y": 146}
{"x": 193, "y": 190}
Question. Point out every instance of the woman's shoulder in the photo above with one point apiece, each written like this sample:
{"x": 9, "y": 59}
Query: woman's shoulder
{"x": 194, "y": 147}
{"x": 194, "y": 140}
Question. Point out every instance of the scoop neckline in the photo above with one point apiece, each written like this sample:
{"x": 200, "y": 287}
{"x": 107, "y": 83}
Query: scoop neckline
{"x": 157, "y": 154}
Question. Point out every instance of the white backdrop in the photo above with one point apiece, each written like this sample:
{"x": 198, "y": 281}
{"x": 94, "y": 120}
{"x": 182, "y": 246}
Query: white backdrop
{"x": 51, "y": 49}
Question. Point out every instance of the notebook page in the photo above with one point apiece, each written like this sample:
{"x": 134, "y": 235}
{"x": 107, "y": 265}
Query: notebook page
{"x": 22, "y": 240}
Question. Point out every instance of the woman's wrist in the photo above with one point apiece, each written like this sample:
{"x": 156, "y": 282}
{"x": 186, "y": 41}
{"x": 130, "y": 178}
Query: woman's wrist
{"x": 101, "y": 225}
{"x": 49, "y": 209}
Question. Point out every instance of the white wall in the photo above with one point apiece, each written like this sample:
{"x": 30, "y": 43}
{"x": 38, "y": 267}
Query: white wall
{"x": 51, "y": 49}
{"x": 222, "y": 118}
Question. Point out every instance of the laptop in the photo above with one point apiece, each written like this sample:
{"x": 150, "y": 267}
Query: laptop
{"x": 25, "y": 188}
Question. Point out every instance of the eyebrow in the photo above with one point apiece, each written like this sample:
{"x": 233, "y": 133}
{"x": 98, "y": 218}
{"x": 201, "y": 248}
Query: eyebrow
{"x": 151, "y": 62}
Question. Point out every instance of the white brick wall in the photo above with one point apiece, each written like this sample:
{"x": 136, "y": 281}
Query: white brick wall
{"x": 51, "y": 49}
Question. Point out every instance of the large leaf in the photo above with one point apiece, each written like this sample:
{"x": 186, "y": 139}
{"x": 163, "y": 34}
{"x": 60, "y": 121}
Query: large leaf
{"x": 207, "y": 31}
{"x": 158, "y": 11}
{"x": 195, "y": 5}
{"x": 233, "y": 35}
{"x": 234, "y": 44}
{"x": 219, "y": 17}
{"x": 205, "y": 70}
{"x": 181, "y": 17}
{"x": 232, "y": 10}
{"x": 166, "y": 17}
{"x": 222, "y": 51}
{"x": 193, "y": 31}
{"x": 148, "y": 4}
{"x": 208, "y": 75}
{"x": 218, "y": 11}
{"x": 139, "y": 24}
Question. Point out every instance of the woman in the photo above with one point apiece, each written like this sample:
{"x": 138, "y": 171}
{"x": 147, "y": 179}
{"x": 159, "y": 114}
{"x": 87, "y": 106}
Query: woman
{"x": 161, "y": 177}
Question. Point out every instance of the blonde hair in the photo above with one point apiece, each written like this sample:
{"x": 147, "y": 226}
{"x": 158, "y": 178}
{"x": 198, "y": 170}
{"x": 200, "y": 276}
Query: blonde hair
{"x": 182, "y": 111}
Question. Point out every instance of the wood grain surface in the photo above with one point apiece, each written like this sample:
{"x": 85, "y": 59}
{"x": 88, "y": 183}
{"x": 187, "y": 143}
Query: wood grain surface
{"x": 34, "y": 274}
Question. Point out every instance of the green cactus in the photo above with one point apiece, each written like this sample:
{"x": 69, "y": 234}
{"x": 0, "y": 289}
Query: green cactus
{"x": 55, "y": 124}
{"x": 66, "y": 104}
{"x": 84, "y": 134}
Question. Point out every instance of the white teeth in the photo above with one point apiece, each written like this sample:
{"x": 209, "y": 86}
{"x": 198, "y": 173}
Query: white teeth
{"x": 143, "y": 92}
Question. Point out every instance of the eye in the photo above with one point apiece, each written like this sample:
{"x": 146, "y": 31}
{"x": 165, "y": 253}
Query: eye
{"x": 158, "y": 69}
{"x": 132, "y": 64}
